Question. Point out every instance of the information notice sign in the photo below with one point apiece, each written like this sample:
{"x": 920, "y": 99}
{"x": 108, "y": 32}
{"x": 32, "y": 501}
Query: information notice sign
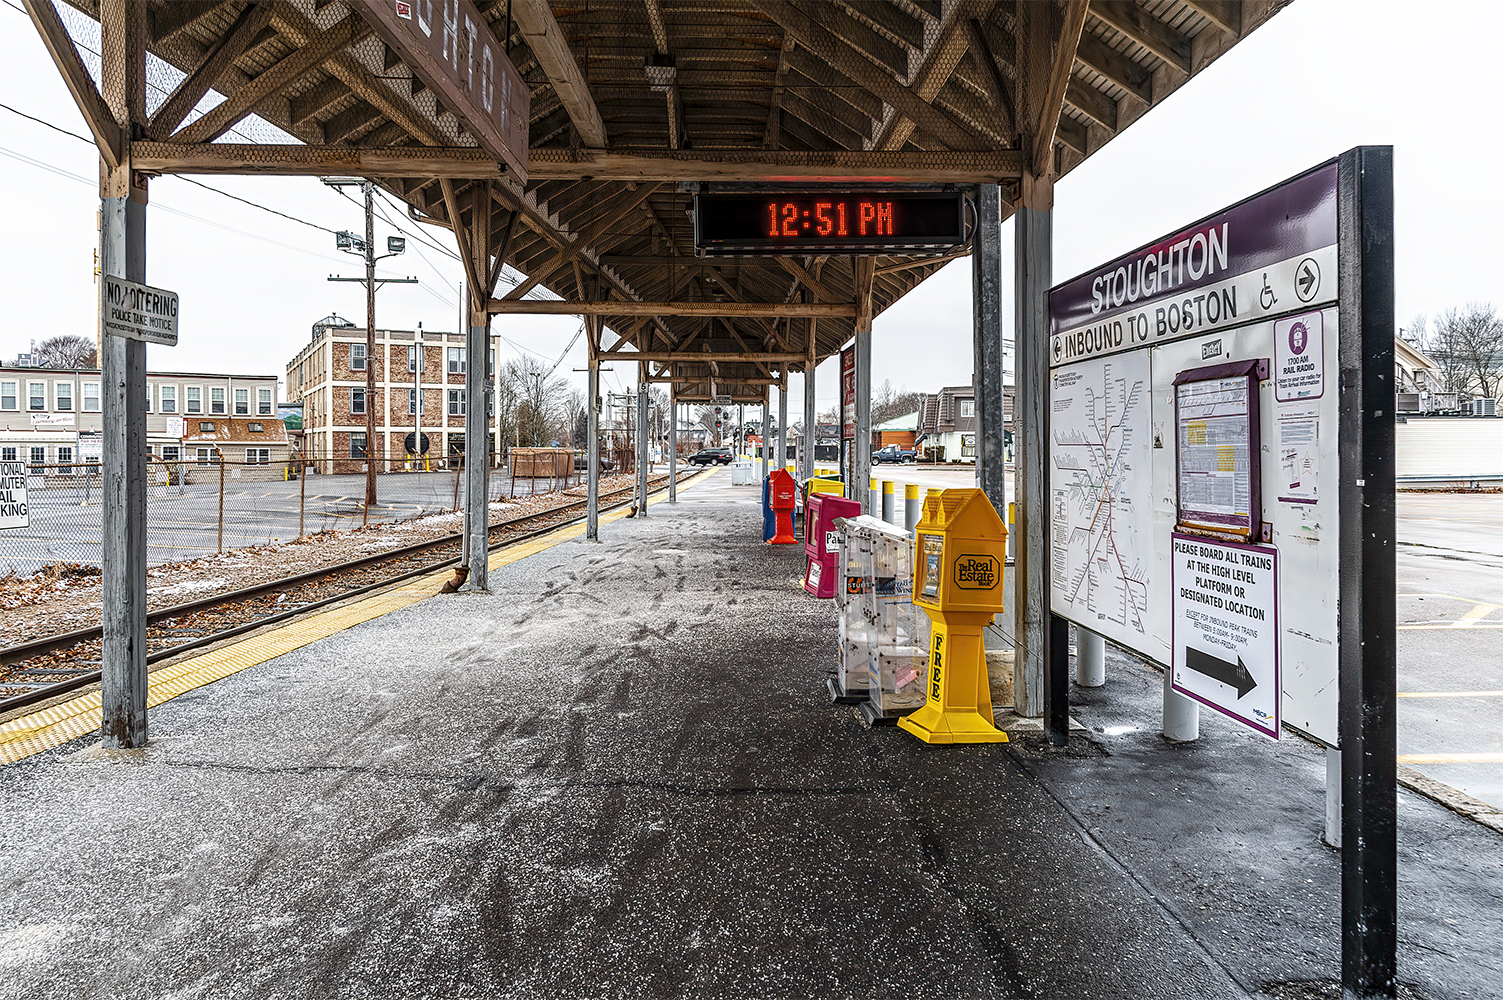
{"x": 1216, "y": 462}
{"x": 1226, "y": 622}
{"x": 138, "y": 312}
{"x": 13, "y": 509}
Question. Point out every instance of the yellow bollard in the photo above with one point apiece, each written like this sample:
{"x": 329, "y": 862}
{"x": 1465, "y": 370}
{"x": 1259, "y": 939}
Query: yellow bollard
{"x": 960, "y": 547}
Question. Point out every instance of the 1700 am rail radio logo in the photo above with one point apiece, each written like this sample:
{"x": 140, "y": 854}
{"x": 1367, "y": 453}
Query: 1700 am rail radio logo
{"x": 976, "y": 572}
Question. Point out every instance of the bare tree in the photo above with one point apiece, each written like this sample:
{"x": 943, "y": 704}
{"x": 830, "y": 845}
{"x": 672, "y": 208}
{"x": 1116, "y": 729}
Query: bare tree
{"x": 66, "y": 351}
{"x": 1415, "y": 330}
{"x": 540, "y": 396}
{"x": 1466, "y": 343}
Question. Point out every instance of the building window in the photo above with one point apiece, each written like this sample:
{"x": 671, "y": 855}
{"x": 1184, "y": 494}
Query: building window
{"x": 216, "y": 400}
{"x": 206, "y": 426}
{"x": 242, "y": 402}
{"x": 412, "y": 402}
{"x": 36, "y": 396}
{"x": 357, "y": 400}
{"x": 7, "y": 455}
{"x": 64, "y": 460}
{"x": 91, "y": 397}
{"x": 263, "y": 402}
{"x": 169, "y": 398}
{"x": 456, "y": 402}
{"x": 357, "y": 445}
{"x": 357, "y": 357}
{"x": 257, "y": 456}
{"x": 208, "y": 456}
{"x": 967, "y": 407}
{"x": 195, "y": 399}
{"x": 171, "y": 453}
{"x": 254, "y": 427}
{"x": 412, "y": 358}
{"x": 456, "y": 360}
{"x": 148, "y": 397}
{"x": 63, "y": 395}
{"x": 7, "y": 395}
{"x": 38, "y": 456}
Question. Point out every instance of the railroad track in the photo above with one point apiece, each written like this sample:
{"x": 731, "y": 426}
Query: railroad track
{"x": 52, "y": 665}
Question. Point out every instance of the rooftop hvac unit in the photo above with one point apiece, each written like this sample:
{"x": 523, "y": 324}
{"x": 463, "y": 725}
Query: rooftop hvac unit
{"x": 1407, "y": 402}
{"x": 1486, "y": 407}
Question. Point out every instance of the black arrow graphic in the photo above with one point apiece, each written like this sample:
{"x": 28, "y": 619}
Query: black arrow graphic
{"x": 1306, "y": 279}
{"x": 1231, "y": 674}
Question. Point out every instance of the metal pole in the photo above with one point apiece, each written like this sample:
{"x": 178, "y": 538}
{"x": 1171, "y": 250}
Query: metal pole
{"x": 783, "y": 422}
{"x": 220, "y": 452}
{"x": 302, "y": 491}
{"x": 1333, "y": 797}
{"x": 673, "y": 443}
{"x": 477, "y": 451}
{"x": 122, "y": 252}
{"x": 766, "y": 392}
{"x": 1367, "y": 651}
{"x": 986, "y": 290}
{"x": 811, "y": 419}
{"x": 642, "y": 438}
{"x": 913, "y": 506}
{"x": 1033, "y": 229}
{"x": 592, "y": 435}
{"x": 417, "y": 390}
{"x": 861, "y": 446}
{"x": 1090, "y": 658}
{"x": 889, "y": 502}
{"x": 1181, "y": 714}
{"x": 369, "y": 187}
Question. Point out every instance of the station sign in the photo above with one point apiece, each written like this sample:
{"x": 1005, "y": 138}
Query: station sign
{"x": 138, "y": 312}
{"x": 13, "y": 510}
{"x": 821, "y": 222}
{"x": 451, "y": 48}
{"x": 1226, "y": 629}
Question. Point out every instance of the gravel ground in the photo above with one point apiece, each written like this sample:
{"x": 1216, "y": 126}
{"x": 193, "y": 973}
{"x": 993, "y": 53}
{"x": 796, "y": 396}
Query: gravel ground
{"x": 65, "y": 598}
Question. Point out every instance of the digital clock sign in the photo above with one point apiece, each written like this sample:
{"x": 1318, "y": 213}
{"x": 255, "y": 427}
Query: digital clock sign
{"x": 804, "y": 222}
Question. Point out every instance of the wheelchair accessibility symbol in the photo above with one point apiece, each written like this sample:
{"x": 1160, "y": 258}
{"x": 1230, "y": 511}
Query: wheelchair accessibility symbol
{"x": 1266, "y": 298}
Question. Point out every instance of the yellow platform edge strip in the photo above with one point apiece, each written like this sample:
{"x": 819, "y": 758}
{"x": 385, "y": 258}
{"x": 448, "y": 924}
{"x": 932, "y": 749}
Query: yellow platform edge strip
{"x": 78, "y": 717}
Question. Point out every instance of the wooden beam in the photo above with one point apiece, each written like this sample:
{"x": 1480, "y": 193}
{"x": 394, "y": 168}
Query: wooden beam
{"x": 772, "y": 135}
{"x": 586, "y": 239}
{"x": 462, "y": 236}
{"x": 992, "y": 78}
{"x": 101, "y": 121}
{"x": 308, "y": 56}
{"x": 1148, "y": 31}
{"x": 1092, "y": 103}
{"x": 122, "y": 48}
{"x": 939, "y": 62}
{"x": 865, "y": 276}
{"x": 761, "y": 310}
{"x": 1060, "y": 69}
{"x": 313, "y": 161}
{"x": 551, "y": 50}
{"x": 211, "y": 67}
{"x": 1116, "y": 67}
{"x": 662, "y": 357}
{"x": 171, "y": 19}
{"x": 838, "y": 166}
{"x": 825, "y": 45}
{"x": 808, "y": 280}
{"x": 1224, "y": 14}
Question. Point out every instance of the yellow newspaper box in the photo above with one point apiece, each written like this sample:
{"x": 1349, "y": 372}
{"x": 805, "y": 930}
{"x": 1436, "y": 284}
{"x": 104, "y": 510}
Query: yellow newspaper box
{"x": 959, "y": 550}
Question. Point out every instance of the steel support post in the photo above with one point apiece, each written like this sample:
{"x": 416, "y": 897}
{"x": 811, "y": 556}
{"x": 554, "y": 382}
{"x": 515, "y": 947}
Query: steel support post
{"x": 782, "y": 451}
{"x": 642, "y": 439}
{"x": 765, "y": 446}
{"x": 986, "y": 290}
{"x": 1367, "y": 583}
{"x": 592, "y": 435}
{"x": 122, "y": 252}
{"x": 478, "y": 380}
{"x": 859, "y": 488}
{"x": 811, "y": 425}
{"x": 1033, "y": 229}
{"x": 673, "y": 443}
{"x": 371, "y": 451}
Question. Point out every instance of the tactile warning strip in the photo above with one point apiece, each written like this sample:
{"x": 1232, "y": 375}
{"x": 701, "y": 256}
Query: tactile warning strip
{"x": 78, "y": 717}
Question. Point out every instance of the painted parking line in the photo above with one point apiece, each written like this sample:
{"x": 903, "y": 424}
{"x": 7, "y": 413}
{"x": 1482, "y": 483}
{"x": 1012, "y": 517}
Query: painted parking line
{"x": 1450, "y": 694}
{"x": 1475, "y": 618}
{"x": 1451, "y": 758}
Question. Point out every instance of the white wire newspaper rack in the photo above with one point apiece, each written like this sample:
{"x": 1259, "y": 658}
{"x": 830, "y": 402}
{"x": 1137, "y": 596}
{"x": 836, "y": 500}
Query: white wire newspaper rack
{"x": 883, "y": 637}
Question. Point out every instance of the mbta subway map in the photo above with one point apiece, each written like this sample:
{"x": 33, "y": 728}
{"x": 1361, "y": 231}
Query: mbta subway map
{"x": 1100, "y": 484}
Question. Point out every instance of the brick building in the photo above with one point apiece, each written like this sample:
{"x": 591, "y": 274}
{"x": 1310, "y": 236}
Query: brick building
{"x": 328, "y": 378}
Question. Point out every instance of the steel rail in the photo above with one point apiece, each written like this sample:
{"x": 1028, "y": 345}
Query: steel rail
{"x": 23, "y": 651}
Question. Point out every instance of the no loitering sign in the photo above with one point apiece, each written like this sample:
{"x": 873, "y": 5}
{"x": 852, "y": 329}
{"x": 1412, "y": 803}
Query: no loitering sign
{"x": 138, "y": 312}
{"x": 13, "y": 510}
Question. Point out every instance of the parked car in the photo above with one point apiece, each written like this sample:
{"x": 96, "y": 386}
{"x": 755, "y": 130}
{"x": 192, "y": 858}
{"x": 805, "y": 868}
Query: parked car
{"x": 892, "y": 453}
{"x": 711, "y": 456}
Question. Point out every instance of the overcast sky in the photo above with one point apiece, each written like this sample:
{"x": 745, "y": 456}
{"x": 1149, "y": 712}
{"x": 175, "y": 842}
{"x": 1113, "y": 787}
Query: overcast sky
{"x": 1322, "y": 76}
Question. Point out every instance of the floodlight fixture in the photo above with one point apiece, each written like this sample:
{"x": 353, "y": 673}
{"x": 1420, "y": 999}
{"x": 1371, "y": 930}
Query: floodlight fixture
{"x": 396, "y": 244}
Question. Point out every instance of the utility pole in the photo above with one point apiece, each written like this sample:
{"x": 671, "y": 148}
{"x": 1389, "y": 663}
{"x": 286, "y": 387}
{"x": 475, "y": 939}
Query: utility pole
{"x": 347, "y": 242}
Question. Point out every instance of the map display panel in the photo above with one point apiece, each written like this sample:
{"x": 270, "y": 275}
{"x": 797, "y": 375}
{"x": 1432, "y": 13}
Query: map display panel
{"x": 1101, "y": 517}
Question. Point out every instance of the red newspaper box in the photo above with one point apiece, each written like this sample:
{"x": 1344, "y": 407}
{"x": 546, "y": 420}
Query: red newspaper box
{"x": 822, "y": 541}
{"x": 781, "y": 493}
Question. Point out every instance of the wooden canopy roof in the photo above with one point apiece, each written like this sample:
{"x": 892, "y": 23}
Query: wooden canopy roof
{"x": 633, "y": 105}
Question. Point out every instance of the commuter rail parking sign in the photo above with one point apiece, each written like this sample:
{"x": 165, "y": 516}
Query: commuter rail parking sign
{"x": 13, "y": 510}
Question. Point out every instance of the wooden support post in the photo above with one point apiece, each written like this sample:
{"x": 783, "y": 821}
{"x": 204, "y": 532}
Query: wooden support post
{"x": 1033, "y": 251}
{"x": 122, "y": 252}
{"x": 986, "y": 287}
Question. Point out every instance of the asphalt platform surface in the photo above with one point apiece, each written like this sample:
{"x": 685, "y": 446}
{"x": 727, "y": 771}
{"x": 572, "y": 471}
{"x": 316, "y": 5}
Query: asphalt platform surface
{"x": 619, "y": 775}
